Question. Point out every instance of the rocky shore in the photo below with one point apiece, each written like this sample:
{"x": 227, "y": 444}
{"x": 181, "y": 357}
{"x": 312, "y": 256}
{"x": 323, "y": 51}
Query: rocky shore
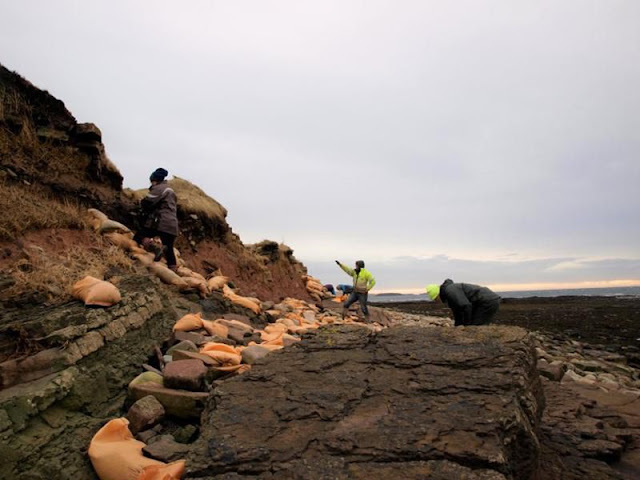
{"x": 587, "y": 350}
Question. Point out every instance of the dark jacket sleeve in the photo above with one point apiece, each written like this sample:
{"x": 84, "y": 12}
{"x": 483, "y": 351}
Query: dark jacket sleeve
{"x": 153, "y": 198}
{"x": 459, "y": 304}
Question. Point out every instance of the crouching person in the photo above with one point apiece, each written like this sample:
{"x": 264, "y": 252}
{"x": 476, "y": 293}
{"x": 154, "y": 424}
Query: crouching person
{"x": 471, "y": 304}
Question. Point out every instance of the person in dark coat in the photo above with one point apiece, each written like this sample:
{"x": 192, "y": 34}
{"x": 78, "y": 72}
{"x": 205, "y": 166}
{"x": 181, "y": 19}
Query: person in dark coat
{"x": 159, "y": 217}
{"x": 471, "y": 304}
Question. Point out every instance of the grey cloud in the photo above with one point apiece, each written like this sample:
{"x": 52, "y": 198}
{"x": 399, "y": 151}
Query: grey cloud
{"x": 378, "y": 129}
{"x": 409, "y": 272}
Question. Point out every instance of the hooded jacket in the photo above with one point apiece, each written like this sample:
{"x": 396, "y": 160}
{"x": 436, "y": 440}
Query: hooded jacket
{"x": 462, "y": 297}
{"x": 363, "y": 281}
{"x": 161, "y": 203}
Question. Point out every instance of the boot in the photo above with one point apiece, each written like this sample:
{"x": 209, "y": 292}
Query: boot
{"x": 160, "y": 252}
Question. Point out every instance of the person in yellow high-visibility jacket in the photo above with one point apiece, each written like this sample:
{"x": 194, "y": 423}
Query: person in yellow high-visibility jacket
{"x": 363, "y": 281}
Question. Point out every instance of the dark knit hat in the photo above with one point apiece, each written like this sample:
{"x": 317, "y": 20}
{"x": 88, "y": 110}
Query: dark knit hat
{"x": 360, "y": 264}
{"x": 158, "y": 175}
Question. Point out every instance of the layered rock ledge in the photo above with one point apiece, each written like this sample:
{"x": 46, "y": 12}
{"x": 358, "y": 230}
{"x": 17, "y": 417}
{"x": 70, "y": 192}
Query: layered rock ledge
{"x": 52, "y": 402}
{"x": 407, "y": 402}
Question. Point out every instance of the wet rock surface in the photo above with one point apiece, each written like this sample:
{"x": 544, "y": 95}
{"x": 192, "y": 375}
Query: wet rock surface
{"x": 587, "y": 359}
{"x": 46, "y": 424}
{"x": 350, "y": 403}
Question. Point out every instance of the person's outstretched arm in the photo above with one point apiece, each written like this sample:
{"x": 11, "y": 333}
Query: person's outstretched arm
{"x": 349, "y": 271}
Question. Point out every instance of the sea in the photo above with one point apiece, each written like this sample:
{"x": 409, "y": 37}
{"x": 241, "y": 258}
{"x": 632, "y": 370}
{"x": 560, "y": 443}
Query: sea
{"x": 603, "y": 292}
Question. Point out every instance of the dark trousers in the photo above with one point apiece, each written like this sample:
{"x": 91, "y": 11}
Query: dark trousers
{"x": 483, "y": 313}
{"x": 358, "y": 297}
{"x": 167, "y": 242}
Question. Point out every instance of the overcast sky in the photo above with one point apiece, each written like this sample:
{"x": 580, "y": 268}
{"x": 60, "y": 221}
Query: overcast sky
{"x": 495, "y": 142}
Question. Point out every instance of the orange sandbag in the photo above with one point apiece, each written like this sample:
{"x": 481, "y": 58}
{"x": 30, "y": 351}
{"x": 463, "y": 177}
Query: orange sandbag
{"x": 246, "y": 303}
{"x": 116, "y": 455}
{"x": 242, "y": 301}
{"x": 187, "y": 272}
{"x": 95, "y": 292}
{"x": 112, "y": 226}
{"x": 122, "y": 241}
{"x": 223, "y": 358}
{"x": 170, "y": 471}
{"x": 237, "y": 369}
{"x": 275, "y": 328}
{"x": 237, "y": 324}
{"x": 167, "y": 276}
{"x": 216, "y": 283}
{"x": 267, "y": 346}
{"x": 215, "y": 328}
{"x": 191, "y": 321}
{"x": 97, "y": 214}
{"x": 221, "y": 347}
{"x": 198, "y": 284}
{"x": 295, "y": 303}
{"x": 287, "y": 321}
{"x": 296, "y": 318}
{"x": 272, "y": 339}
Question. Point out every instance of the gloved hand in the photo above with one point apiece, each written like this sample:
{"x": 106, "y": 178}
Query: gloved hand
{"x": 337, "y": 262}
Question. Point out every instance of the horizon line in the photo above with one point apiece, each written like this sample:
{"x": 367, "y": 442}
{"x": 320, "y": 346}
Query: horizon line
{"x": 523, "y": 287}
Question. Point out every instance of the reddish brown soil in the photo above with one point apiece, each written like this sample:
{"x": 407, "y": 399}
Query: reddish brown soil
{"x": 273, "y": 281}
{"x": 52, "y": 241}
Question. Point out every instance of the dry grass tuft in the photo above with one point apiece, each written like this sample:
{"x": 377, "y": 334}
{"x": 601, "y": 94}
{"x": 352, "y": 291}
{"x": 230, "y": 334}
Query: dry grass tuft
{"x": 192, "y": 199}
{"x": 28, "y": 207}
{"x": 55, "y": 276}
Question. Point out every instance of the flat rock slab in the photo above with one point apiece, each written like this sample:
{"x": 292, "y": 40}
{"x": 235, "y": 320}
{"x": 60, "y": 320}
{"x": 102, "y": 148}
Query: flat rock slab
{"x": 349, "y": 403}
{"x": 178, "y": 403}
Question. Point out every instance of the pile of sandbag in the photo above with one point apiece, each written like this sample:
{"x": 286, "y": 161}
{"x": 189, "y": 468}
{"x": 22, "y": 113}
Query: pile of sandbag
{"x": 315, "y": 288}
{"x": 119, "y": 235}
{"x": 95, "y": 292}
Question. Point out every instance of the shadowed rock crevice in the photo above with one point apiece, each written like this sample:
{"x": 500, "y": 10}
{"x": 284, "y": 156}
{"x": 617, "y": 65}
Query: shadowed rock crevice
{"x": 347, "y": 403}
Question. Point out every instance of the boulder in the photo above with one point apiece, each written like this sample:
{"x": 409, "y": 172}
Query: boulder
{"x": 238, "y": 336}
{"x": 351, "y": 403}
{"x": 185, "y": 375}
{"x": 144, "y": 414}
{"x": 254, "y": 353}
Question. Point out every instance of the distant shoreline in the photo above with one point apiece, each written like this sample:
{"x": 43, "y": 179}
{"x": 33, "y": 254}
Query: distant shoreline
{"x": 633, "y": 292}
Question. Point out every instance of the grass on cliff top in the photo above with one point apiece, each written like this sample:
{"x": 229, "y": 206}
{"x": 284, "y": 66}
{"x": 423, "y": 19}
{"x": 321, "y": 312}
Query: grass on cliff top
{"x": 191, "y": 200}
{"x": 39, "y": 271}
{"x": 26, "y": 208}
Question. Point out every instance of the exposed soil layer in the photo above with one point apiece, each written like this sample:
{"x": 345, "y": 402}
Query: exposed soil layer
{"x": 611, "y": 323}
